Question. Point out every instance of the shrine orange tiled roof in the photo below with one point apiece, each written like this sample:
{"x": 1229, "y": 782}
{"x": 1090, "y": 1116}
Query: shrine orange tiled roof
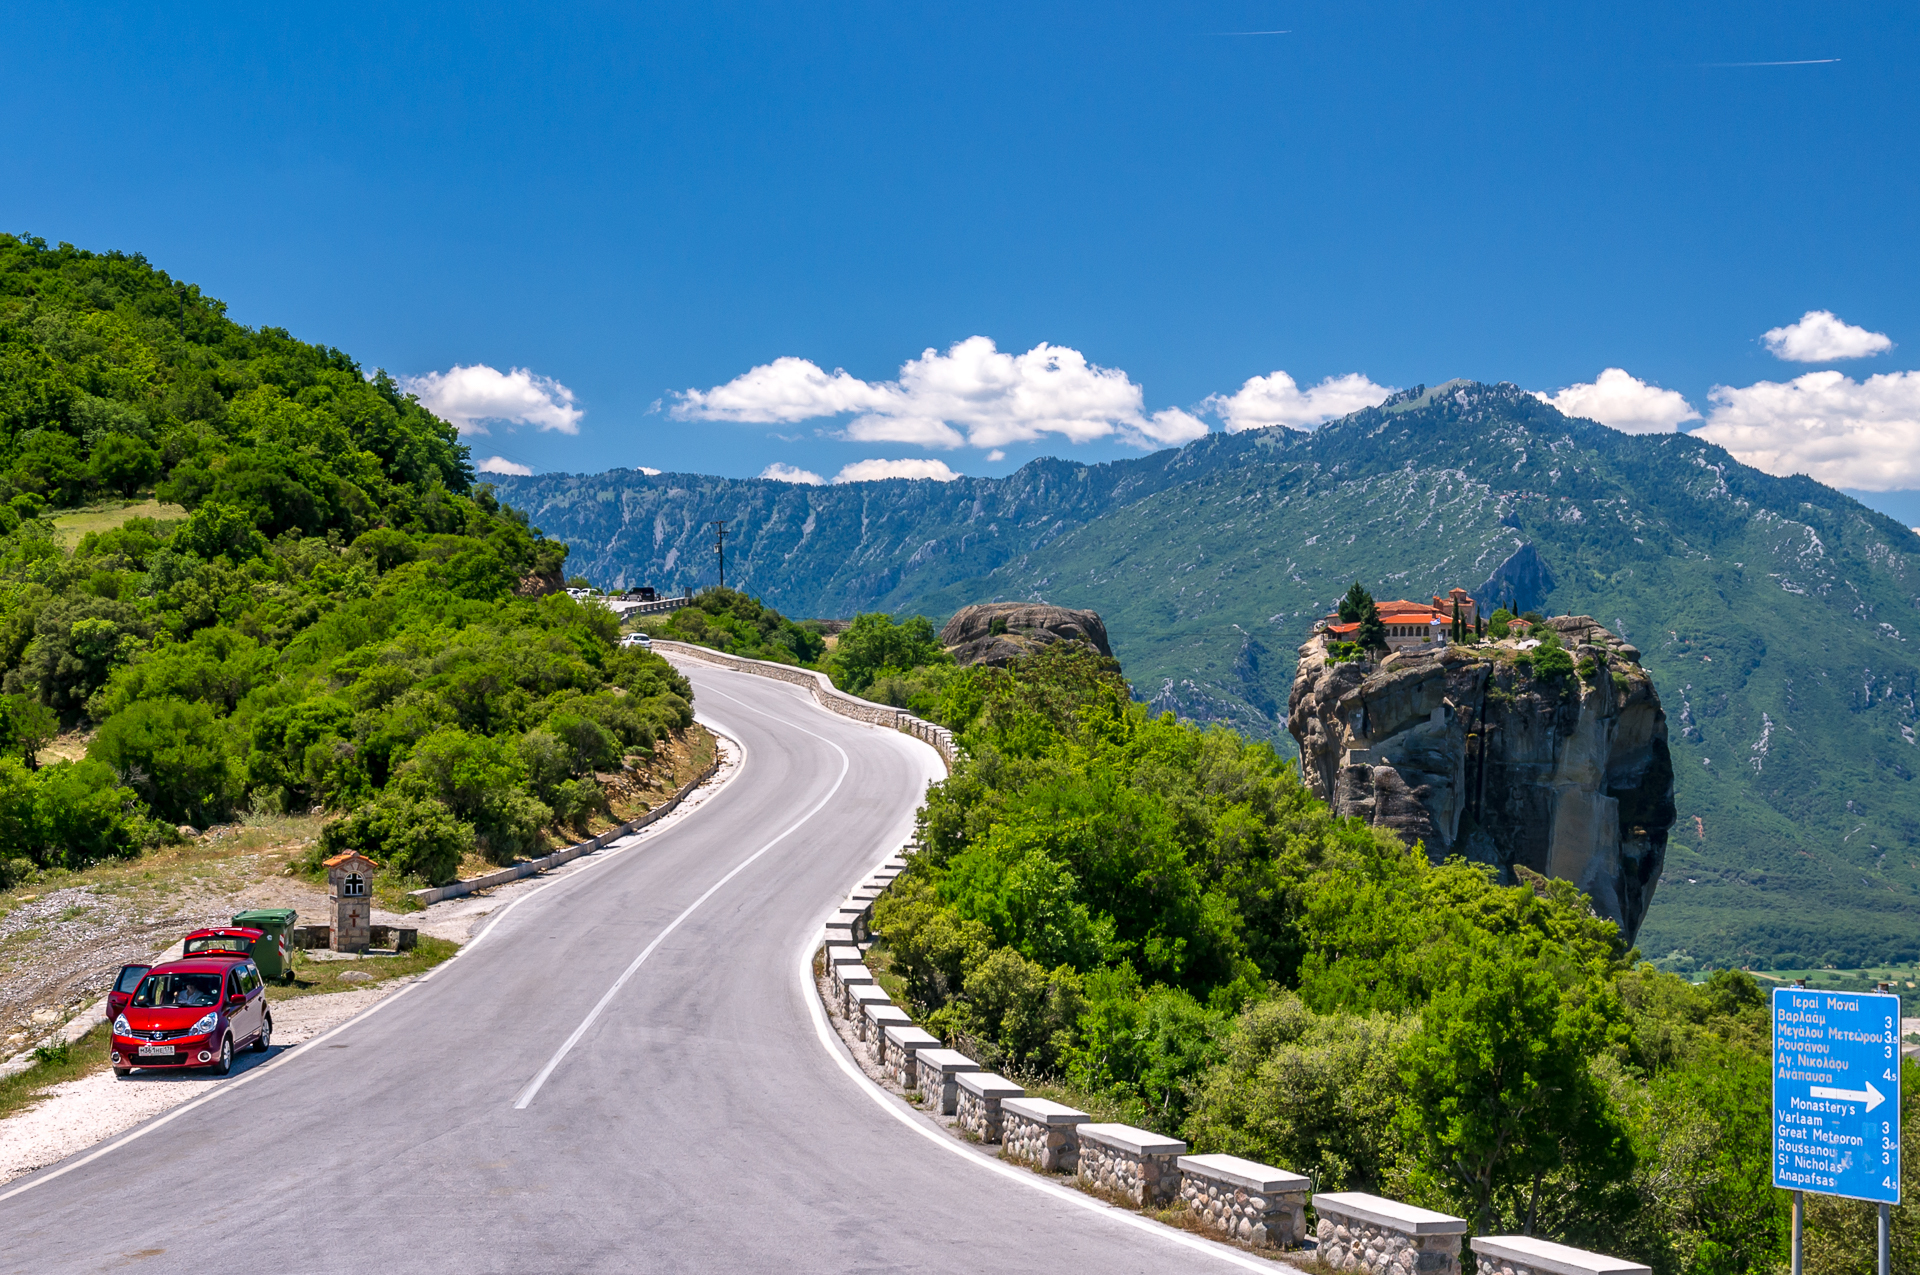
{"x": 339, "y": 859}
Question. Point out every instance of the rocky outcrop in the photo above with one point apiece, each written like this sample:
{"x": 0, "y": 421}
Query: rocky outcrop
{"x": 998, "y": 633}
{"x": 1466, "y": 750}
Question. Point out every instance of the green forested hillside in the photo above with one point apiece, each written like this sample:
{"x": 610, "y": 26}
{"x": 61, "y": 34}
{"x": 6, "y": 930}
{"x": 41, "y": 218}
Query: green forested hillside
{"x": 1158, "y": 922}
{"x": 1776, "y": 615}
{"x": 338, "y": 616}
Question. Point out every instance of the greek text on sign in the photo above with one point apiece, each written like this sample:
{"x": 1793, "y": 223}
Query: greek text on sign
{"x": 1836, "y": 1093}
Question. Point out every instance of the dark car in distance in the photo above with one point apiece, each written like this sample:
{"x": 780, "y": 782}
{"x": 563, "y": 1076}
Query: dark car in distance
{"x": 194, "y": 1012}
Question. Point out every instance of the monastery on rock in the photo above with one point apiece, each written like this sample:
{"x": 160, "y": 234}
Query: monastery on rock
{"x": 1412, "y": 623}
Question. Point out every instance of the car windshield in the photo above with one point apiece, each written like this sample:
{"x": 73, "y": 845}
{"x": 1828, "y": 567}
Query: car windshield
{"x": 219, "y": 943}
{"x": 181, "y": 991}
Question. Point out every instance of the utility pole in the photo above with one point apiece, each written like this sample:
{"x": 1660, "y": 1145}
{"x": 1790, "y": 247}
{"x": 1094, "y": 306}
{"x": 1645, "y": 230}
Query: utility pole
{"x": 720, "y": 547}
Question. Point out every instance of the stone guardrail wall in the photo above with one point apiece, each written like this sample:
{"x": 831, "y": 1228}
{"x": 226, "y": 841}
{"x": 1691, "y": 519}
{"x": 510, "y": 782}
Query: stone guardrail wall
{"x": 457, "y": 888}
{"x": 827, "y": 695}
{"x": 1358, "y": 1231}
{"x": 1254, "y": 1204}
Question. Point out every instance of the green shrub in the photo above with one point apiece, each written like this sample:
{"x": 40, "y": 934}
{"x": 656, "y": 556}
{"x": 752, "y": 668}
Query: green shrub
{"x": 875, "y": 645}
{"x": 68, "y": 815}
{"x": 175, "y": 754}
{"x": 1318, "y": 1093}
{"x": 411, "y": 835}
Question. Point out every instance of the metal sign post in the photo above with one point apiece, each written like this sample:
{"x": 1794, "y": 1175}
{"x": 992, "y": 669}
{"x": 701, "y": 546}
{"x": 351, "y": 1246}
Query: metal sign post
{"x": 1836, "y": 1099}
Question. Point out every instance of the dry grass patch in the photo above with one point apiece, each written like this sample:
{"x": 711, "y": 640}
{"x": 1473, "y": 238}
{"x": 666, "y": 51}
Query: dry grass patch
{"x": 70, "y": 528}
{"x": 53, "y": 1065}
{"x": 316, "y": 978}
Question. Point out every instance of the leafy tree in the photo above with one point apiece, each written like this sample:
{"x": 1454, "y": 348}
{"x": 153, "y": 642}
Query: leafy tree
{"x": 26, "y": 725}
{"x": 78, "y": 641}
{"x": 1358, "y": 605}
{"x": 122, "y": 464}
{"x": 1500, "y": 1094}
{"x": 874, "y": 644}
{"x": 175, "y": 754}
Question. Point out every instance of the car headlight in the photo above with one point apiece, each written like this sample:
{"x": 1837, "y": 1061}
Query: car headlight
{"x": 120, "y": 1027}
{"x": 206, "y": 1024}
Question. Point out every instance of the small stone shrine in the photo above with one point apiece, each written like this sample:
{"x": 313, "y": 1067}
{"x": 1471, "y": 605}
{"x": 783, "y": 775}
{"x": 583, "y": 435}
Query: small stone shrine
{"x": 350, "y": 900}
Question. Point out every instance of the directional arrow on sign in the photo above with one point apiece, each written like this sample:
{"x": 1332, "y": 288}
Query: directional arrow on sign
{"x": 1871, "y": 1096}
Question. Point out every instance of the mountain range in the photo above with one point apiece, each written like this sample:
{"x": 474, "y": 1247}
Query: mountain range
{"x": 1770, "y": 611}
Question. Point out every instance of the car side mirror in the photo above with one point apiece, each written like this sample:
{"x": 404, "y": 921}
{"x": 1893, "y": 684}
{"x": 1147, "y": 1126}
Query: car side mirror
{"x": 236, "y": 998}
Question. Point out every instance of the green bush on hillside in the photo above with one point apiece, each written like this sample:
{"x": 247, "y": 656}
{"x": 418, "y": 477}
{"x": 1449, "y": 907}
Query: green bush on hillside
{"x": 341, "y": 619}
{"x": 732, "y": 621}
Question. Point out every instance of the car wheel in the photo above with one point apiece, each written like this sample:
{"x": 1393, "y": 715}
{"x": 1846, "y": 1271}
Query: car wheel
{"x": 265, "y": 1039}
{"x": 225, "y": 1062}
{"x": 121, "y": 1073}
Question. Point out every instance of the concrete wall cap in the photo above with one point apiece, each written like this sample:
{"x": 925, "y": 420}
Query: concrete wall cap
{"x": 949, "y": 1061}
{"x": 868, "y": 993}
{"x": 844, "y": 956}
{"x": 1131, "y": 1140}
{"x": 987, "y": 1084}
{"x": 907, "y": 1036}
{"x": 1545, "y": 1255}
{"x": 855, "y": 975}
{"x": 1044, "y": 1111}
{"x": 1392, "y": 1214}
{"x": 881, "y": 1015}
{"x": 1261, "y": 1179}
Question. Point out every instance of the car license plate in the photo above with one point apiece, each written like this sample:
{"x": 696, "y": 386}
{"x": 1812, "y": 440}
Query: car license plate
{"x": 152, "y": 1051}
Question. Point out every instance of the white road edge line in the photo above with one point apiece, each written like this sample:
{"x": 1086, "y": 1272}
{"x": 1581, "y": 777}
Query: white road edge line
{"x": 293, "y": 1051}
{"x": 836, "y": 1049}
{"x": 533, "y": 1086}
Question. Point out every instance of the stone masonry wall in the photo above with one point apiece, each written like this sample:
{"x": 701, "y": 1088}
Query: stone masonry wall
{"x": 1350, "y": 1244}
{"x": 1144, "y": 1179}
{"x": 979, "y": 1115}
{"x": 1264, "y": 1221}
{"x": 1050, "y": 1148}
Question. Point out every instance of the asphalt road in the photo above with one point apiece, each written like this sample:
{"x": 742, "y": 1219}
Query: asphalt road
{"x": 700, "y": 1122}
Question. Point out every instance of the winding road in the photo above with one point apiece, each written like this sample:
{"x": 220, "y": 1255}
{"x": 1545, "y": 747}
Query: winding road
{"x": 625, "y": 1072}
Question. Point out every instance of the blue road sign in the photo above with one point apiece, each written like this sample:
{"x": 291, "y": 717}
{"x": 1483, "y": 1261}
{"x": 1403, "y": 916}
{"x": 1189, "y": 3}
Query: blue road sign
{"x": 1836, "y": 1093}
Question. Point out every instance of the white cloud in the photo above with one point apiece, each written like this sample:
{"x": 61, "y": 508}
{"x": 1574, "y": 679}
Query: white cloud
{"x": 866, "y": 471}
{"x": 1266, "y": 401}
{"x": 1170, "y": 428}
{"x": 780, "y": 473}
{"x": 781, "y": 392}
{"x": 971, "y": 394}
{"x": 1821, "y": 337}
{"x": 469, "y": 396}
{"x": 1845, "y": 433}
{"x": 1624, "y": 402}
{"x": 648, "y": 472}
{"x": 501, "y": 465}
{"x": 996, "y": 454}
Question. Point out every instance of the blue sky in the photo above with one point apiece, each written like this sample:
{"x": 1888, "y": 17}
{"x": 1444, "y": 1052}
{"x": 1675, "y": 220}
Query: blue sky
{"x": 634, "y": 202}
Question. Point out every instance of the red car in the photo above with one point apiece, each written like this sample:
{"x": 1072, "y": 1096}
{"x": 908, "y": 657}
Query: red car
{"x": 194, "y": 1012}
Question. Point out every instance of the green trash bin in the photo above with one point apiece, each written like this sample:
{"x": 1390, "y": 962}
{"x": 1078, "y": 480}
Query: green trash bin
{"x": 274, "y": 952}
